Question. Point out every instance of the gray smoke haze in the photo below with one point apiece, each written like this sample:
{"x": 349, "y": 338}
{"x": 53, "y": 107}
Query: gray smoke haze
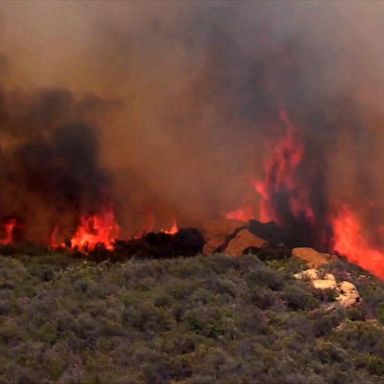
{"x": 173, "y": 105}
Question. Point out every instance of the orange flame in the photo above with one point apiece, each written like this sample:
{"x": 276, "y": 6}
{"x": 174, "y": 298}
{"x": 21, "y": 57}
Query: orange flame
{"x": 54, "y": 242}
{"x": 245, "y": 213}
{"x": 349, "y": 241}
{"x": 100, "y": 228}
{"x": 281, "y": 174}
{"x": 171, "y": 231}
{"x": 9, "y": 227}
{"x": 150, "y": 225}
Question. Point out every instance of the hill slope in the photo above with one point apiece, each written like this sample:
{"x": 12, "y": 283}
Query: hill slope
{"x": 185, "y": 320}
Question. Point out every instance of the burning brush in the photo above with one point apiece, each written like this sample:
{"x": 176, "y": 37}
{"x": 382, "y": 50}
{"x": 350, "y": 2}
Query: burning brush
{"x": 286, "y": 197}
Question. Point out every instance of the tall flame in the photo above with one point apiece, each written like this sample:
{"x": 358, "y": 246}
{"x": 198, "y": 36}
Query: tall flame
{"x": 349, "y": 241}
{"x": 9, "y": 227}
{"x": 281, "y": 180}
{"x": 99, "y": 228}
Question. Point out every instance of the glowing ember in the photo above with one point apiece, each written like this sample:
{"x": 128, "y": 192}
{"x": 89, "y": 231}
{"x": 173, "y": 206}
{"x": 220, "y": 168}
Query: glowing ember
{"x": 171, "y": 231}
{"x": 349, "y": 241}
{"x": 100, "y": 228}
{"x": 150, "y": 224}
{"x": 9, "y": 227}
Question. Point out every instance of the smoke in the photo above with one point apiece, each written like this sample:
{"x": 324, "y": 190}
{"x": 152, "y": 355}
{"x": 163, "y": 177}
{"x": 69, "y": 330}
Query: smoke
{"x": 168, "y": 109}
{"x": 49, "y": 161}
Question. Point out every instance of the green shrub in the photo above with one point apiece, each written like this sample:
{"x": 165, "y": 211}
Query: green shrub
{"x": 380, "y": 313}
{"x": 298, "y": 298}
{"x": 363, "y": 336}
{"x": 262, "y": 298}
{"x": 325, "y": 322}
{"x": 197, "y": 320}
{"x": 327, "y": 295}
{"x": 372, "y": 363}
{"x": 211, "y": 323}
{"x": 266, "y": 277}
{"x": 5, "y": 308}
{"x": 179, "y": 344}
{"x": 146, "y": 317}
{"x": 329, "y": 353}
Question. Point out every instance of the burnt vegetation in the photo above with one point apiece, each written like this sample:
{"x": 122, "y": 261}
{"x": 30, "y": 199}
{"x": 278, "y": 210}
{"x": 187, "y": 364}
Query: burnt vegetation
{"x": 183, "y": 320}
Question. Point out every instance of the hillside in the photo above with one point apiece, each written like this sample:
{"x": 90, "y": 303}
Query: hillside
{"x": 184, "y": 320}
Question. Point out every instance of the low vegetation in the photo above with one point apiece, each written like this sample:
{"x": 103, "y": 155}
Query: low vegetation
{"x": 189, "y": 320}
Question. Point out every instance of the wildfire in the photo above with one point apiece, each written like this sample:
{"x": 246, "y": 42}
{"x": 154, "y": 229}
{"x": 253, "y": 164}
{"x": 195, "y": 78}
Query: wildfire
{"x": 281, "y": 181}
{"x": 54, "y": 243}
{"x": 245, "y": 213}
{"x": 349, "y": 241}
{"x": 281, "y": 171}
{"x": 284, "y": 197}
{"x": 171, "y": 231}
{"x": 100, "y": 228}
{"x": 9, "y": 227}
{"x": 150, "y": 224}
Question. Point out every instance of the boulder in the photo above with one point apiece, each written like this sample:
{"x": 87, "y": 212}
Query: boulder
{"x": 324, "y": 284}
{"x": 218, "y": 233}
{"x": 313, "y": 258}
{"x": 348, "y": 294}
{"x": 270, "y": 232}
{"x": 318, "y": 280}
{"x": 242, "y": 241}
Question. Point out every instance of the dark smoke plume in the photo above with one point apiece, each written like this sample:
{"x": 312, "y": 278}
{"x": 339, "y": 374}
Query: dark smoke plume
{"x": 50, "y": 168}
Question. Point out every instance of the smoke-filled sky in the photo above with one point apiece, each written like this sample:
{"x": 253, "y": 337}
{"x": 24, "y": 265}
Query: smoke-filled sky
{"x": 171, "y": 106}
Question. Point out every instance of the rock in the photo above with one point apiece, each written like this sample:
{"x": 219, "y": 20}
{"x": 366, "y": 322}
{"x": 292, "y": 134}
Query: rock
{"x": 325, "y": 283}
{"x": 229, "y": 236}
{"x": 348, "y": 294}
{"x": 242, "y": 241}
{"x": 318, "y": 279}
{"x": 218, "y": 233}
{"x": 270, "y": 232}
{"x": 313, "y": 258}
